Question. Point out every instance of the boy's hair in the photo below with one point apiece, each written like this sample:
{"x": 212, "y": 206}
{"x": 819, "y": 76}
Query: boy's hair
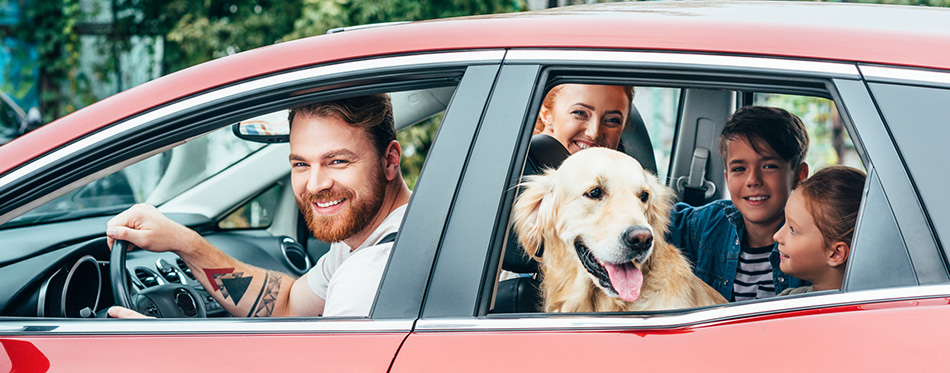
{"x": 373, "y": 113}
{"x": 832, "y": 196}
{"x": 784, "y": 132}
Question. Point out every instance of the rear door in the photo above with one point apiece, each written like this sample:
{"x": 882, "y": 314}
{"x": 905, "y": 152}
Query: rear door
{"x": 460, "y": 330}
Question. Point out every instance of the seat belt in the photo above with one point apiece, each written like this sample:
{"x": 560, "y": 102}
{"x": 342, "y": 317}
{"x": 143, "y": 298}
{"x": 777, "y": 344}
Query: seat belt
{"x": 697, "y": 187}
{"x": 694, "y": 187}
{"x": 387, "y": 239}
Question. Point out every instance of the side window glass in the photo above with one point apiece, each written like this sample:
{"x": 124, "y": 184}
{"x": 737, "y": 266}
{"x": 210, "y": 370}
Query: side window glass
{"x": 829, "y": 141}
{"x": 154, "y": 180}
{"x": 658, "y": 107}
{"x": 880, "y": 257}
{"x": 256, "y": 213}
{"x": 659, "y": 118}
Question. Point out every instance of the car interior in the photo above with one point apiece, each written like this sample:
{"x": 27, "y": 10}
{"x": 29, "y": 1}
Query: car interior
{"x": 680, "y": 145}
{"x": 202, "y": 182}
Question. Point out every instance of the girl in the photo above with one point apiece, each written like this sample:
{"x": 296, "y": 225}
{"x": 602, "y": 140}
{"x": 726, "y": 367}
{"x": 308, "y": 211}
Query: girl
{"x": 581, "y": 116}
{"x": 820, "y": 215}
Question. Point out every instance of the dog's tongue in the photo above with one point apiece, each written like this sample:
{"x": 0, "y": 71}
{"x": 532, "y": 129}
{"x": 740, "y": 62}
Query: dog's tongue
{"x": 626, "y": 280}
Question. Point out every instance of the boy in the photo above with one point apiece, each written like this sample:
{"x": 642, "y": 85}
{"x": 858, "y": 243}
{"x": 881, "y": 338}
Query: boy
{"x": 730, "y": 241}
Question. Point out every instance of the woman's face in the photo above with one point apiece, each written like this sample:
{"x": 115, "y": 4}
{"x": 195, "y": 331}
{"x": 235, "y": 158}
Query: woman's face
{"x": 585, "y": 116}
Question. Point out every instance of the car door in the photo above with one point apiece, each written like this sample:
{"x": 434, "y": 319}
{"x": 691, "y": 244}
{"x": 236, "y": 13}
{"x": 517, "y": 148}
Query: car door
{"x": 884, "y": 285}
{"x": 224, "y": 343}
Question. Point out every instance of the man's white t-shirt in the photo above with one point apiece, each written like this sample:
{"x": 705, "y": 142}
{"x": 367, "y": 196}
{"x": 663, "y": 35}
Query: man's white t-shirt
{"x": 349, "y": 279}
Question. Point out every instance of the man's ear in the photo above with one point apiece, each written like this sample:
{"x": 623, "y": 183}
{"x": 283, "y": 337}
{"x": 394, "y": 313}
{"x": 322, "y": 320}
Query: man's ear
{"x": 838, "y": 254}
{"x": 802, "y": 173}
{"x": 391, "y": 160}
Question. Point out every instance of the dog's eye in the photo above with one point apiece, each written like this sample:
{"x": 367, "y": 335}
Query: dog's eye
{"x": 595, "y": 193}
{"x": 644, "y": 196}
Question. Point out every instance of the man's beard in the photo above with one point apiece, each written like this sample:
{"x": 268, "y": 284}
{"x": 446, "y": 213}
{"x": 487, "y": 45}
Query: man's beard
{"x": 346, "y": 223}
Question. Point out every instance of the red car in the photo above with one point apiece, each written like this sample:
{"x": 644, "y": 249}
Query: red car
{"x": 871, "y": 82}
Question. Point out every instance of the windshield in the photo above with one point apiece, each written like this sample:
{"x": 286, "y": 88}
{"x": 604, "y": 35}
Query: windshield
{"x": 154, "y": 180}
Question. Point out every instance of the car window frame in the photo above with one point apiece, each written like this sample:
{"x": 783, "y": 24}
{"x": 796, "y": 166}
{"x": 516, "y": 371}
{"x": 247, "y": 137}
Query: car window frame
{"x": 749, "y": 74}
{"x": 197, "y": 115}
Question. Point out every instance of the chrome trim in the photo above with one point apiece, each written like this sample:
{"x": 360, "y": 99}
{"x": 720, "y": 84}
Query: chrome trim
{"x": 158, "y": 277}
{"x": 20, "y": 326}
{"x": 284, "y": 244}
{"x": 694, "y": 318}
{"x": 182, "y": 279}
{"x": 487, "y": 56}
{"x": 44, "y": 289}
{"x": 683, "y": 59}
{"x": 915, "y": 75}
{"x": 69, "y": 277}
{"x": 184, "y": 275}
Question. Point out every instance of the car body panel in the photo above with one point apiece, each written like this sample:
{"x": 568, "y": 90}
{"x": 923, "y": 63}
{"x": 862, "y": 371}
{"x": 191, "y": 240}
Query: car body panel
{"x": 230, "y": 352}
{"x": 834, "y": 338}
{"x": 434, "y": 306}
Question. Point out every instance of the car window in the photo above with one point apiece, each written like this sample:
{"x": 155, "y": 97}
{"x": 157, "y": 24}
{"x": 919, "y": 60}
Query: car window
{"x": 667, "y": 116}
{"x": 256, "y": 213}
{"x": 658, "y": 108}
{"x": 153, "y": 180}
{"x": 830, "y": 142}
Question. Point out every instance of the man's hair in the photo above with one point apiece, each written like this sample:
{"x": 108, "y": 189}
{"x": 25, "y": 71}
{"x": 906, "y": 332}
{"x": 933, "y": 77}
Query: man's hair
{"x": 832, "y": 196}
{"x": 373, "y": 113}
{"x": 784, "y": 132}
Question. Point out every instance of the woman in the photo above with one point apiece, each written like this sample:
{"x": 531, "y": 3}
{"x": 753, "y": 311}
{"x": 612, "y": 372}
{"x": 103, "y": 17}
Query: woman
{"x": 581, "y": 116}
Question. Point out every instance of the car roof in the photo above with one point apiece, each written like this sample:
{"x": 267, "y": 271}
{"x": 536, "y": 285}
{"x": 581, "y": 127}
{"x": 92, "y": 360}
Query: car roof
{"x": 866, "y": 33}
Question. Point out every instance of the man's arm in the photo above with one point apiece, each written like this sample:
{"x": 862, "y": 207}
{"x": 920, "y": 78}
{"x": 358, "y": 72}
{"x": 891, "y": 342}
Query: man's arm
{"x": 248, "y": 291}
{"x": 242, "y": 289}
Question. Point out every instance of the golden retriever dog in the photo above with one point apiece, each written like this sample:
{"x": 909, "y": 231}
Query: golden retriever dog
{"x": 602, "y": 220}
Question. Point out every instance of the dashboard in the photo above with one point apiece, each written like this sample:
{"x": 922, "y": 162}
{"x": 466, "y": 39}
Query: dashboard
{"x": 69, "y": 277}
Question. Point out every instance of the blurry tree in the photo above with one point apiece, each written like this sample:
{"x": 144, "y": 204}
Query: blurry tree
{"x": 199, "y": 31}
{"x": 49, "y": 27}
{"x": 322, "y": 15}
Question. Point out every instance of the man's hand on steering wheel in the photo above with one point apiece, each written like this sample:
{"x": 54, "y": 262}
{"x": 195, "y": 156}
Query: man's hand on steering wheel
{"x": 145, "y": 227}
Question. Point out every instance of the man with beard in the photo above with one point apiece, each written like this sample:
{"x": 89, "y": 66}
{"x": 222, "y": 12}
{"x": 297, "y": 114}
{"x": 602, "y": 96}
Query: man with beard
{"x": 345, "y": 174}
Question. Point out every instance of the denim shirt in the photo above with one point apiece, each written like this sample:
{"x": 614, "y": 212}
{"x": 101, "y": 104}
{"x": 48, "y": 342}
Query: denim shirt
{"x": 711, "y": 238}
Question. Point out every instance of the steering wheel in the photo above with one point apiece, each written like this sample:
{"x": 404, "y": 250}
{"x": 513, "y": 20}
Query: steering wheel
{"x": 169, "y": 300}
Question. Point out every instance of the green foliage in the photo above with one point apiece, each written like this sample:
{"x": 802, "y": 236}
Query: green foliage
{"x": 199, "y": 31}
{"x": 322, "y": 15}
{"x": 415, "y": 142}
{"x": 192, "y": 32}
{"x": 50, "y": 30}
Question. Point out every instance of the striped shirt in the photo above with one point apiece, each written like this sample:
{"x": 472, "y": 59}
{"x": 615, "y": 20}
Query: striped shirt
{"x": 754, "y": 275}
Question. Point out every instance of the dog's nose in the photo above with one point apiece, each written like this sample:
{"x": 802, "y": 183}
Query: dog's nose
{"x": 638, "y": 238}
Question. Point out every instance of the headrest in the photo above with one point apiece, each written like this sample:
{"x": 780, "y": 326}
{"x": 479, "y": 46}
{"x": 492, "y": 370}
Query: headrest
{"x": 635, "y": 141}
{"x": 543, "y": 152}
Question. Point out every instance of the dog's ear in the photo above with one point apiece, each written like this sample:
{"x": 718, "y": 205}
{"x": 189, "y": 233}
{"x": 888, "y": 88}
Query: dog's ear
{"x": 658, "y": 212}
{"x": 532, "y": 212}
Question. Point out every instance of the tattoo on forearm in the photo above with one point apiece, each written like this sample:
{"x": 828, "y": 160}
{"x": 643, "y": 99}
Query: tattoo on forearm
{"x": 264, "y": 305}
{"x": 231, "y": 284}
{"x": 234, "y": 285}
